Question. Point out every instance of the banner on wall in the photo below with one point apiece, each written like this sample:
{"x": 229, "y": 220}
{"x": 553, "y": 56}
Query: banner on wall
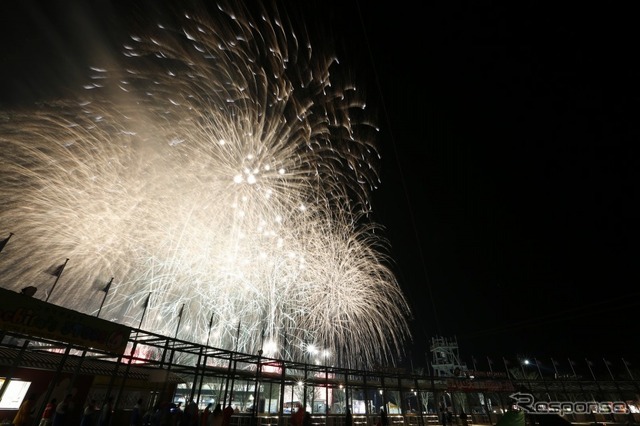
{"x": 23, "y": 314}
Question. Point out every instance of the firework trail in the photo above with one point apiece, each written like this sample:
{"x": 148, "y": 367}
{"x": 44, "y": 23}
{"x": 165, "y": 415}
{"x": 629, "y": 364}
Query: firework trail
{"x": 221, "y": 167}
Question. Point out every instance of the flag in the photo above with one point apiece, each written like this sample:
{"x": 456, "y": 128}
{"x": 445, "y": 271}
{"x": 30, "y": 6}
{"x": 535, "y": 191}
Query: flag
{"x": 106, "y": 292}
{"x": 5, "y": 241}
{"x": 146, "y": 302}
{"x": 590, "y": 364}
{"x": 238, "y": 337}
{"x": 626, "y": 366}
{"x": 29, "y": 291}
{"x": 57, "y": 271}
{"x": 608, "y": 364}
{"x": 555, "y": 367}
{"x": 108, "y": 286}
{"x": 211, "y": 321}
{"x": 181, "y": 309}
{"x": 144, "y": 310}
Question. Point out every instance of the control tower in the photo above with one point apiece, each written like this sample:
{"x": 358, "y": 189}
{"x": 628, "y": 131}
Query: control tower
{"x": 445, "y": 358}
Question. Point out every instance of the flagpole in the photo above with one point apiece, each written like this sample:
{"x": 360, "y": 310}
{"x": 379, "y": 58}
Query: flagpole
{"x": 5, "y": 241}
{"x": 144, "y": 310}
{"x": 57, "y": 278}
{"x": 590, "y": 364}
{"x": 593, "y": 376}
{"x": 179, "y": 321}
{"x": 562, "y": 380}
{"x": 546, "y": 387}
{"x": 555, "y": 368}
{"x": 606, "y": 364}
{"x": 590, "y": 369}
{"x": 237, "y": 336}
{"x": 210, "y": 325}
{"x": 506, "y": 369}
{"x": 502, "y": 406}
{"x": 484, "y": 397}
{"x": 106, "y": 291}
{"x": 232, "y": 373}
{"x": 132, "y": 353}
{"x": 256, "y": 392}
{"x": 525, "y": 377}
{"x": 573, "y": 370}
{"x": 626, "y": 366}
{"x": 615, "y": 382}
{"x": 204, "y": 361}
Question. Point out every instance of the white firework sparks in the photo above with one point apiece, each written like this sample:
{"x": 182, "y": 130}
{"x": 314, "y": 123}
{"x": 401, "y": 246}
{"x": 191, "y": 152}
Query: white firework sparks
{"x": 223, "y": 170}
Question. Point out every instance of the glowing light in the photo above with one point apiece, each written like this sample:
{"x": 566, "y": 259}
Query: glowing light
{"x": 226, "y": 171}
{"x": 311, "y": 349}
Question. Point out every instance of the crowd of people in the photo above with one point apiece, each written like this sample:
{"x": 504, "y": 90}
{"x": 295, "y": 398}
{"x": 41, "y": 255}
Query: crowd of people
{"x": 62, "y": 413}
{"x": 169, "y": 414}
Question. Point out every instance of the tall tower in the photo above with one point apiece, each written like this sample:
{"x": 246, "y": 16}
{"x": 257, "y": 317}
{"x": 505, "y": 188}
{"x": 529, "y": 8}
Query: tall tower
{"x": 445, "y": 358}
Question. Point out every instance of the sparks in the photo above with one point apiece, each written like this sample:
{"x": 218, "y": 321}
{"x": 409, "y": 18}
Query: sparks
{"x": 221, "y": 169}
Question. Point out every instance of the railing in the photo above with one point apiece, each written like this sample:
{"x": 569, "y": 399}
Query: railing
{"x": 163, "y": 362}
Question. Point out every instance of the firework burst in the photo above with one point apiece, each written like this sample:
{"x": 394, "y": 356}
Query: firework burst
{"x": 222, "y": 168}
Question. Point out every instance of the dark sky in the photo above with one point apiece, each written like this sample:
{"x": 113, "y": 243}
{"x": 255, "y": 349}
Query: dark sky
{"x": 508, "y": 178}
{"x": 508, "y": 175}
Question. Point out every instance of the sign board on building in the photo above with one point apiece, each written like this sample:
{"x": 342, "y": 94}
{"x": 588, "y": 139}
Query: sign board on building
{"x": 24, "y": 314}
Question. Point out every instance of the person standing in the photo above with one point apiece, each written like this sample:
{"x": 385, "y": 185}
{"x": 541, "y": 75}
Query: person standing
{"x": 191, "y": 413}
{"x": 89, "y": 414}
{"x": 443, "y": 415}
{"x": 463, "y": 418}
{"x": 47, "y": 415}
{"x": 62, "y": 411}
{"x": 215, "y": 419}
{"x": 384, "y": 420}
{"x": 106, "y": 412}
{"x": 204, "y": 417}
{"x": 226, "y": 415}
{"x": 348, "y": 421}
{"x": 136, "y": 414}
{"x": 176, "y": 414}
{"x": 307, "y": 421}
{"x": 24, "y": 412}
{"x": 159, "y": 413}
{"x": 297, "y": 418}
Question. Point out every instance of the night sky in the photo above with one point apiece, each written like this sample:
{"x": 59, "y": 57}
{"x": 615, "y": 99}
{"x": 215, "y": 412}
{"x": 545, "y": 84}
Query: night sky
{"x": 508, "y": 179}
